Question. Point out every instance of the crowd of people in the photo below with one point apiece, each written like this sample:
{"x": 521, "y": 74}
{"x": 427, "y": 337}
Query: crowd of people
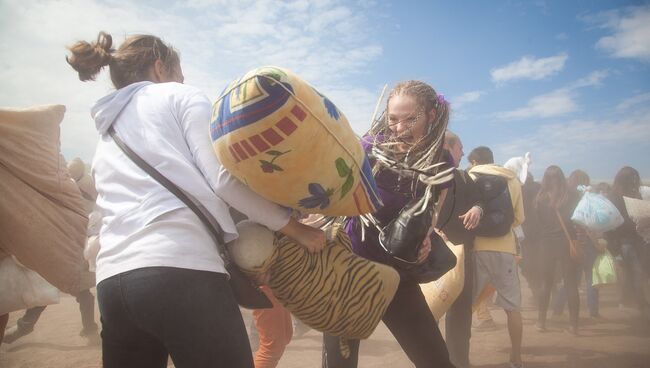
{"x": 162, "y": 286}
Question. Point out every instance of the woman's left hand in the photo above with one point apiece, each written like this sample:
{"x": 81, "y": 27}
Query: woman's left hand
{"x": 472, "y": 217}
{"x": 311, "y": 238}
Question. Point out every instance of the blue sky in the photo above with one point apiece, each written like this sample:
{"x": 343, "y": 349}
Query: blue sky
{"x": 568, "y": 81}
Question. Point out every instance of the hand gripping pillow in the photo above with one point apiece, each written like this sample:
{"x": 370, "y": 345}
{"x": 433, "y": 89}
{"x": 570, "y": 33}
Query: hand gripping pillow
{"x": 290, "y": 144}
{"x": 333, "y": 291}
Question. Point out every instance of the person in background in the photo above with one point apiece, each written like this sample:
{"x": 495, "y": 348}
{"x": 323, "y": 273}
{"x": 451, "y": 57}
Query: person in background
{"x": 603, "y": 188}
{"x": 275, "y": 329}
{"x": 589, "y": 244}
{"x": 624, "y": 242}
{"x": 271, "y": 329}
{"x": 162, "y": 287}
{"x": 531, "y": 267}
{"x": 495, "y": 256}
{"x": 460, "y": 213}
{"x": 554, "y": 206}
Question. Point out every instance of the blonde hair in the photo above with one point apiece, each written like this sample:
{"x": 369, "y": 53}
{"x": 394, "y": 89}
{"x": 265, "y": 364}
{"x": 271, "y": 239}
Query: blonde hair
{"x": 130, "y": 63}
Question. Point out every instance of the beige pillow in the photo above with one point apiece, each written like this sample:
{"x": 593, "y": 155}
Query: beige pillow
{"x": 42, "y": 216}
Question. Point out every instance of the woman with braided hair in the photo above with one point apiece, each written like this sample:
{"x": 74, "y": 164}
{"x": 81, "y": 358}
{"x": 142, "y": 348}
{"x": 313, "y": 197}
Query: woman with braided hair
{"x": 405, "y": 145}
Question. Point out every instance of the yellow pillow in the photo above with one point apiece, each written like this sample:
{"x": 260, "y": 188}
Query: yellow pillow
{"x": 290, "y": 144}
{"x": 441, "y": 294}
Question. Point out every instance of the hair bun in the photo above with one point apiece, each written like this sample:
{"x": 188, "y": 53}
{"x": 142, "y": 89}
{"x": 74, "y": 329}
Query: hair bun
{"x": 88, "y": 59}
{"x": 103, "y": 46}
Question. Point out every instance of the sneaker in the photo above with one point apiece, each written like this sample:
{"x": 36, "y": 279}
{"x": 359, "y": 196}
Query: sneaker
{"x": 485, "y": 325}
{"x": 16, "y": 332}
{"x": 515, "y": 365}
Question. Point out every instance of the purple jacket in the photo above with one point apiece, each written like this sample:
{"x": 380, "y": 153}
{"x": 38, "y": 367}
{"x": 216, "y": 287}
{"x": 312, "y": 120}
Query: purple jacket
{"x": 395, "y": 194}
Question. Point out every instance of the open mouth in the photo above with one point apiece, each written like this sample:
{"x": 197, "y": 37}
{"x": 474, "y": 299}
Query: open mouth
{"x": 407, "y": 138}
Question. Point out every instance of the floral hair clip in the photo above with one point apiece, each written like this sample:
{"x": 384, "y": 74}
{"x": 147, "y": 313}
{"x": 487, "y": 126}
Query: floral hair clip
{"x": 441, "y": 99}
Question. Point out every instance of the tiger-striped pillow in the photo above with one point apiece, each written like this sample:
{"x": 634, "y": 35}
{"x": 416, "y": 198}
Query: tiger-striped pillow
{"x": 333, "y": 291}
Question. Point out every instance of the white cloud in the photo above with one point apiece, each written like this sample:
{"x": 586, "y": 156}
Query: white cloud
{"x": 559, "y": 102}
{"x": 591, "y": 145}
{"x": 556, "y": 103}
{"x": 529, "y": 68}
{"x": 593, "y": 79}
{"x": 465, "y": 98}
{"x": 630, "y": 36}
{"x": 643, "y": 98}
{"x": 325, "y": 42}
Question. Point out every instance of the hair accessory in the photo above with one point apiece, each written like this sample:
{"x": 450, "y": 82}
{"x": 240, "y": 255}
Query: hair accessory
{"x": 441, "y": 99}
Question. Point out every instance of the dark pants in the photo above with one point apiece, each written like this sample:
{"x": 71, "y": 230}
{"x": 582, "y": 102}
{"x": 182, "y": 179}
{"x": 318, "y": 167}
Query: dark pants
{"x": 635, "y": 276}
{"x": 585, "y": 267}
{"x": 150, "y": 313}
{"x": 458, "y": 320}
{"x": 409, "y": 319}
{"x": 569, "y": 271}
{"x": 531, "y": 267}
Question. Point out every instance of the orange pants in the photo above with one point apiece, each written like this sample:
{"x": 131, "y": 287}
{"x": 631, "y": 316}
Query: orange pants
{"x": 275, "y": 329}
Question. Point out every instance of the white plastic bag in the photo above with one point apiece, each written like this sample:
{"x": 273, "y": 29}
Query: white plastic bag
{"x": 23, "y": 288}
{"x": 604, "y": 270}
{"x": 595, "y": 212}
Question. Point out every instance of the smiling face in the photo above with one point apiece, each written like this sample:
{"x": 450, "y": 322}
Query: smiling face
{"x": 406, "y": 119}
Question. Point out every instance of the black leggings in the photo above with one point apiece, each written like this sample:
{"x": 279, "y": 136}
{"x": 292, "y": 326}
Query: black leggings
{"x": 568, "y": 270}
{"x": 409, "y": 319}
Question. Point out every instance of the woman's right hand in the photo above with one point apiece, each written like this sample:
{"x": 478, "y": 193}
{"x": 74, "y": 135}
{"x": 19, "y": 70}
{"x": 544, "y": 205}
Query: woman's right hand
{"x": 311, "y": 238}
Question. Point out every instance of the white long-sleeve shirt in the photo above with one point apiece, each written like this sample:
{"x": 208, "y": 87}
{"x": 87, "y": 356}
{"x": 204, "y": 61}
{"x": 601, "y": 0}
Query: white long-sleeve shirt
{"x": 143, "y": 224}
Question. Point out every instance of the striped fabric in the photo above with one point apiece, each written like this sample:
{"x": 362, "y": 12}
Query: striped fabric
{"x": 333, "y": 291}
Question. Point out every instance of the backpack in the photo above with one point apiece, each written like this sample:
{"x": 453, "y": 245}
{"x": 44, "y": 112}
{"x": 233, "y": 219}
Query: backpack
{"x": 498, "y": 214}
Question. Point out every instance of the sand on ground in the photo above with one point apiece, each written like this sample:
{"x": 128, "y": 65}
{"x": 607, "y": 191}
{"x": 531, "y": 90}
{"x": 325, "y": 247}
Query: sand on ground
{"x": 618, "y": 341}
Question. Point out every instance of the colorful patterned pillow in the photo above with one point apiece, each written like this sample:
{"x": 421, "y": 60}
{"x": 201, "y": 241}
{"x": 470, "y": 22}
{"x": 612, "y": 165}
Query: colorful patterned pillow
{"x": 290, "y": 144}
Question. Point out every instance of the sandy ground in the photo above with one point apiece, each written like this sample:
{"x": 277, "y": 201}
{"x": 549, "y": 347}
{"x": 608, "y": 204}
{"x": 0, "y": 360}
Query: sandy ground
{"x": 620, "y": 341}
